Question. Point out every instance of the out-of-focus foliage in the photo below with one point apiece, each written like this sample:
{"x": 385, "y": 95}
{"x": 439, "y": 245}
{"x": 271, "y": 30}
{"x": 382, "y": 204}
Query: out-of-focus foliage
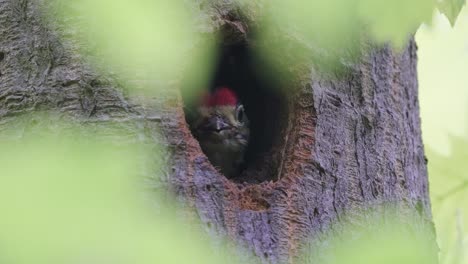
{"x": 451, "y": 9}
{"x": 377, "y": 238}
{"x": 395, "y": 20}
{"x": 325, "y": 24}
{"x": 74, "y": 199}
{"x": 158, "y": 39}
{"x": 330, "y": 33}
{"x": 449, "y": 191}
{"x": 140, "y": 39}
{"x": 80, "y": 199}
{"x": 443, "y": 82}
{"x": 324, "y": 33}
{"x": 443, "y": 60}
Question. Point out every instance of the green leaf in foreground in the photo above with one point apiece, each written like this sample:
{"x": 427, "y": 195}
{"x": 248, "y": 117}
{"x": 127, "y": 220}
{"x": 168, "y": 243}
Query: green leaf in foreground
{"x": 448, "y": 176}
{"x": 144, "y": 41}
{"x": 384, "y": 234}
{"x": 78, "y": 199}
{"x": 395, "y": 20}
{"x": 451, "y": 9}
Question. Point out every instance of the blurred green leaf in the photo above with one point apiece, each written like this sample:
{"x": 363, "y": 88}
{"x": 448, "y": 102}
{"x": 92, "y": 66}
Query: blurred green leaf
{"x": 385, "y": 247}
{"x": 395, "y": 20}
{"x": 379, "y": 234}
{"x": 451, "y": 9}
{"x": 75, "y": 198}
{"x": 442, "y": 62}
{"x": 144, "y": 41}
{"x": 330, "y": 34}
{"x": 299, "y": 32}
{"x": 448, "y": 177}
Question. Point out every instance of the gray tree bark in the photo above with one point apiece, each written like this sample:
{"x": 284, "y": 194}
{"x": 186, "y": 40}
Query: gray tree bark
{"x": 347, "y": 143}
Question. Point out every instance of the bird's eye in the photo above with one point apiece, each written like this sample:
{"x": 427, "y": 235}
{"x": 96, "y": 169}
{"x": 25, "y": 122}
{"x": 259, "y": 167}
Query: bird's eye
{"x": 240, "y": 113}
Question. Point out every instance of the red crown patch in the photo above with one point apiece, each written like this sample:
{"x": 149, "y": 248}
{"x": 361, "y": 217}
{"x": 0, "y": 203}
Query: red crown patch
{"x": 222, "y": 96}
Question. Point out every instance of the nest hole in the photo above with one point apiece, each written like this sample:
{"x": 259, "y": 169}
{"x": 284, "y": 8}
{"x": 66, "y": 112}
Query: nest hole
{"x": 265, "y": 105}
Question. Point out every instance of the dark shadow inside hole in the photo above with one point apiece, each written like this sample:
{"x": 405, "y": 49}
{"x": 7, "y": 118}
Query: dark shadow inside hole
{"x": 265, "y": 107}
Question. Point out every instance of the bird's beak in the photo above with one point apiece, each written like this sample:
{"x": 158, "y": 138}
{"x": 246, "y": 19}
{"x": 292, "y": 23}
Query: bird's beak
{"x": 215, "y": 124}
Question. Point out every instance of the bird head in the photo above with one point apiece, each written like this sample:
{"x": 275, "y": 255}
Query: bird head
{"x": 221, "y": 115}
{"x": 222, "y": 128}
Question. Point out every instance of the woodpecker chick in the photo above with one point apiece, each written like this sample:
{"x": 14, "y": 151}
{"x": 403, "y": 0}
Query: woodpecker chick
{"x": 222, "y": 128}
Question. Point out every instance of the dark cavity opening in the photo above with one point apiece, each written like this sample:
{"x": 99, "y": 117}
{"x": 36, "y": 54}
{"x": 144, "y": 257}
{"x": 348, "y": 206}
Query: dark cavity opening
{"x": 265, "y": 106}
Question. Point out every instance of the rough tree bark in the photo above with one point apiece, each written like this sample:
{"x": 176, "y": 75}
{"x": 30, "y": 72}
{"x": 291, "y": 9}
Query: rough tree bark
{"x": 347, "y": 143}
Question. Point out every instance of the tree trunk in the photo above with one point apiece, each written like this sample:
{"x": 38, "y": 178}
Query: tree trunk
{"x": 342, "y": 143}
